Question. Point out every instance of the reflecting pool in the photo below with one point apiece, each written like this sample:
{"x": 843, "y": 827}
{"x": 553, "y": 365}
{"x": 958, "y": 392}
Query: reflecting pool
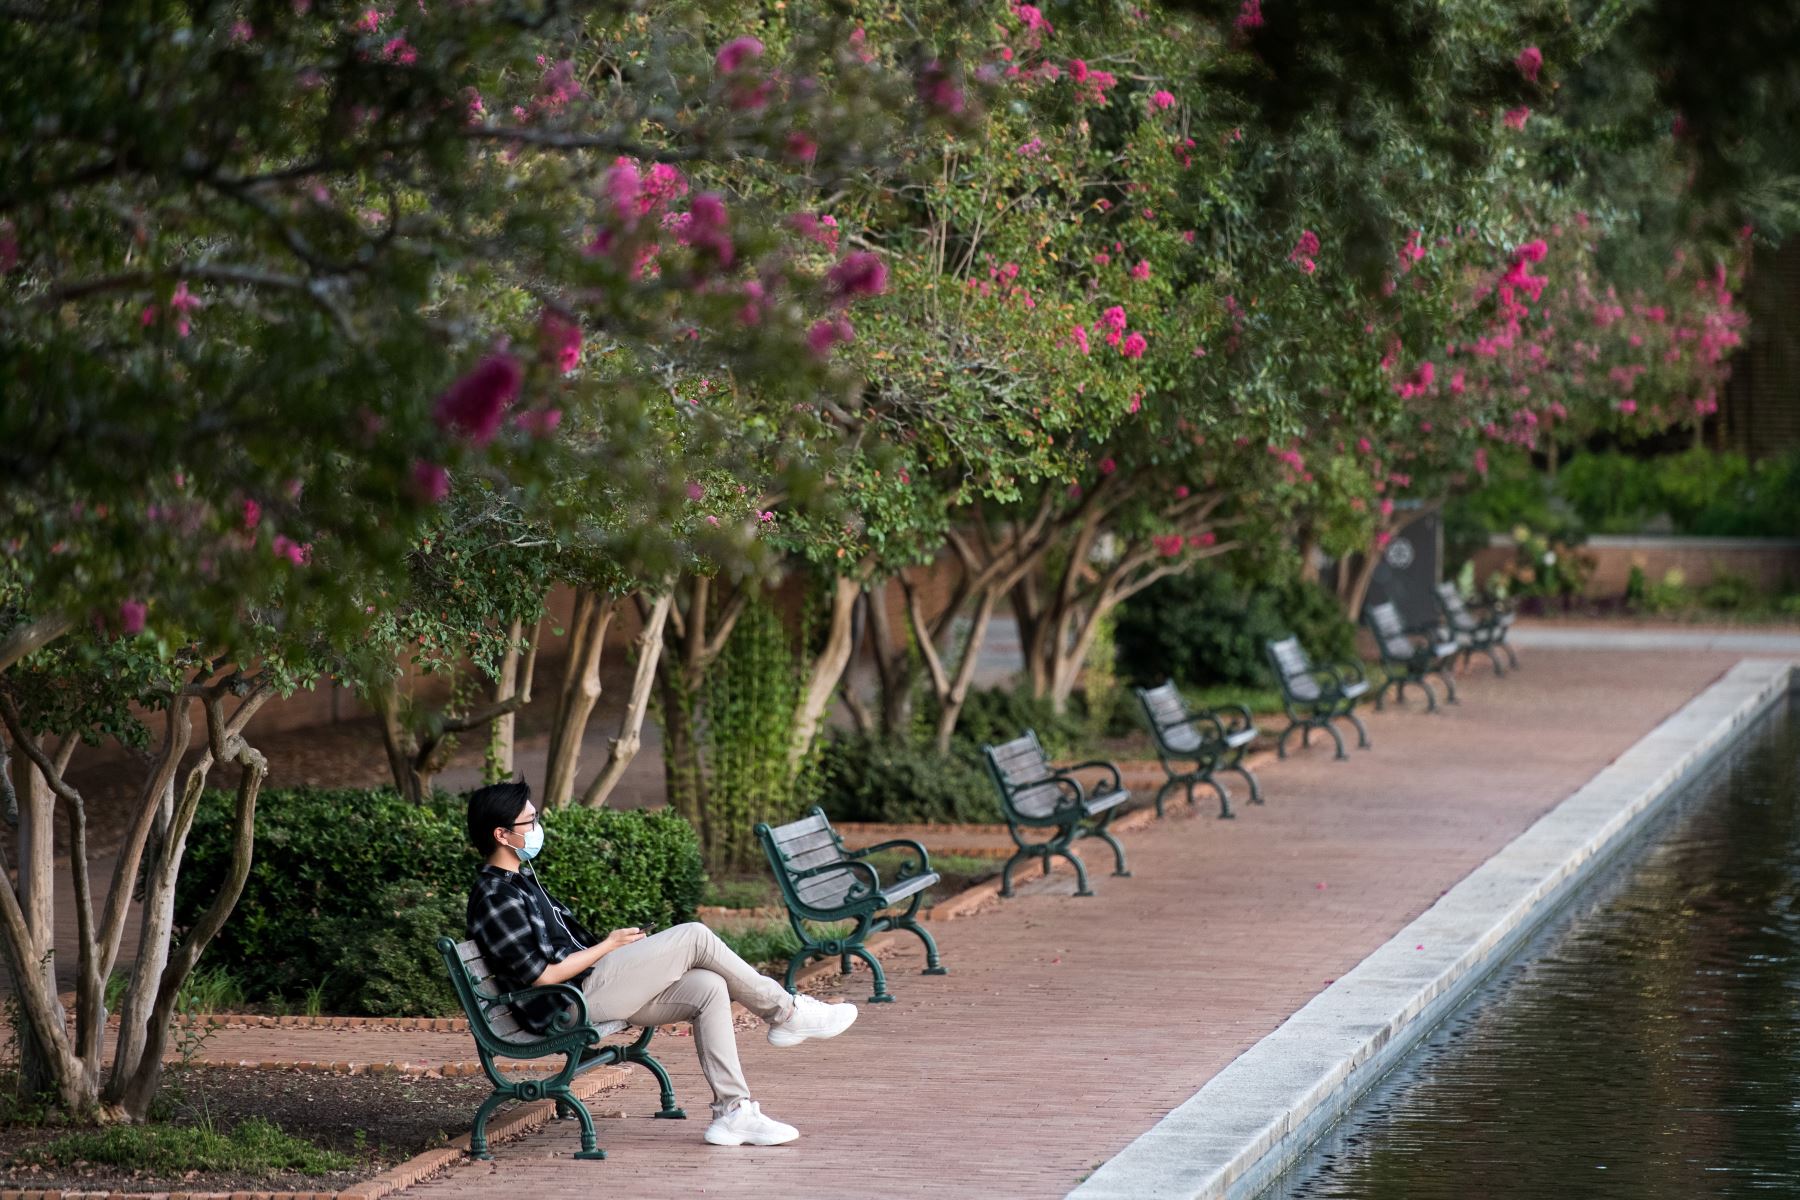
{"x": 1646, "y": 1045}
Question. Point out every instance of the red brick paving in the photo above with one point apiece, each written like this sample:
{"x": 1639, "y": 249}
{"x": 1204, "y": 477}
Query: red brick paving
{"x": 1070, "y": 1025}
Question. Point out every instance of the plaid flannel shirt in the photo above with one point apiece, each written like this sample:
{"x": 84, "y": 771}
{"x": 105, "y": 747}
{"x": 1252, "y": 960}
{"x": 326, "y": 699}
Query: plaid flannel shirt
{"x": 509, "y": 923}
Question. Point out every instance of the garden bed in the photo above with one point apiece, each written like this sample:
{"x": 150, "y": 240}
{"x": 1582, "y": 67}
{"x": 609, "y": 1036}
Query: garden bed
{"x": 353, "y": 1126}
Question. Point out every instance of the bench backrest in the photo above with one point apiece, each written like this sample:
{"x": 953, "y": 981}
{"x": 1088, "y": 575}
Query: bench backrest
{"x": 474, "y": 983}
{"x": 1293, "y": 669}
{"x": 804, "y": 845}
{"x": 1389, "y": 630}
{"x": 1452, "y": 600}
{"x": 1167, "y": 712}
{"x": 1022, "y": 772}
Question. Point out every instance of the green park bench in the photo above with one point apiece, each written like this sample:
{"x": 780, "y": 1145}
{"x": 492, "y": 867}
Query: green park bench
{"x": 1195, "y": 745}
{"x": 498, "y": 1034}
{"x": 1314, "y": 697}
{"x": 1410, "y": 654}
{"x": 824, "y": 883}
{"x": 1482, "y": 627}
{"x": 1036, "y": 796}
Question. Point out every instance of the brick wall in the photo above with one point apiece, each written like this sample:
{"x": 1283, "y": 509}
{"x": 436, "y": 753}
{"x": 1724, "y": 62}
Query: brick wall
{"x": 1774, "y": 564}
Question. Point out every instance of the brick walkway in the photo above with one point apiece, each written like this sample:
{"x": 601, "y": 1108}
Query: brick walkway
{"x": 1071, "y": 1025}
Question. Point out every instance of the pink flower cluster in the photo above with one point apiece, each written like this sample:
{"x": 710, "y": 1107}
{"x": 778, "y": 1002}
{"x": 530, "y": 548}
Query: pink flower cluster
{"x": 1305, "y": 251}
{"x": 474, "y": 405}
{"x": 1250, "y": 16}
{"x": 1090, "y": 85}
{"x": 1530, "y": 62}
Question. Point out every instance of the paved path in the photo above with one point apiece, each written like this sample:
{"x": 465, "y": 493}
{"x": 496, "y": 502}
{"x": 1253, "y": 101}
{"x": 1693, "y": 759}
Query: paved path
{"x": 1071, "y": 1025}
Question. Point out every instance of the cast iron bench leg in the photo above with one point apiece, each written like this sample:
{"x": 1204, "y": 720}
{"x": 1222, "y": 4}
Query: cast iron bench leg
{"x": 1225, "y": 813}
{"x": 636, "y": 1053}
{"x": 1255, "y": 788}
{"x": 932, "y": 965}
{"x": 882, "y": 995}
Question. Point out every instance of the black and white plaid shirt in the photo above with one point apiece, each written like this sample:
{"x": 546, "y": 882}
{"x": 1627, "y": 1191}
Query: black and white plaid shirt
{"x": 521, "y": 930}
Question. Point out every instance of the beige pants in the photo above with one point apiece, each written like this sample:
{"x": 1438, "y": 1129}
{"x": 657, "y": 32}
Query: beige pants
{"x": 688, "y": 974}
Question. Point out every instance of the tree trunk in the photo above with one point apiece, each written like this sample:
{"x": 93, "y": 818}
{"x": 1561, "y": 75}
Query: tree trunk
{"x": 139, "y": 1087}
{"x": 579, "y": 692}
{"x": 827, "y": 670}
{"x": 516, "y": 671}
{"x": 47, "y": 1061}
{"x": 398, "y": 740}
{"x": 1359, "y": 580}
{"x": 625, "y": 747}
{"x": 685, "y": 781}
{"x": 950, "y": 703}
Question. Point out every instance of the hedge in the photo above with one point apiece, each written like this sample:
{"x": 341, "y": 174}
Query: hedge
{"x": 349, "y": 889}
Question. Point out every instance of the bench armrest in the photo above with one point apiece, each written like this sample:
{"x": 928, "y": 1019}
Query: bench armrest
{"x": 909, "y": 867}
{"x": 1096, "y": 764}
{"x": 1240, "y": 714}
{"x": 849, "y": 861}
{"x": 1347, "y": 672}
{"x": 564, "y": 1021}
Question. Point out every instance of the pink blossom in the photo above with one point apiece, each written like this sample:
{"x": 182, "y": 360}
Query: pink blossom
{"x": 369, "y": 22}
{"x": 131, "y": 617}
{"x": 1135, "y": 345}
{"x": 430, "y": 481}
{"x": 1387, "y": 507}
{"x": 1102, "y": 259}
{"x": 539, "y": 422}
{"x": 1306, "y": 247}
{"x": 252, "y": 515}
{"x": 1532, "y": 251}
{"x": 938, "y": 90}
{"x": 1627, "y": 406}
{"x": 735, "y": 53}
{"x": 708, "y": 228}
{"x": 1031, "y": 149}
{"x": 560, "y": 340}
{"x": 1141, "y": 270}
{"x": 1136, "y": 403}
{"x": 765, "y": 517}
{"x": 1530, "y": 62}
{"x": 1515, "y": 118}
{"x": 827, "y": 333}
{"x": 1250, "y": 16}
{"x": 1114, "y": 318}
{"x": 241, "y": 32}
{"x": 1206, "y": 539}
{"x": 1080, "y": 335}
{"x": 295, "y": 552}
{"x": 1108, "y": 466}
{"x": 695, "y": 491}
{"x": 1162, "y": 99}
{"x": 399, "y": 50}
{"x": 1181, "y": 491}
{"x": 1167, "y": 545}
{"x": 859, "y": 274}
{"x": 801, "y": 147}
{"x": 474, "y": 404}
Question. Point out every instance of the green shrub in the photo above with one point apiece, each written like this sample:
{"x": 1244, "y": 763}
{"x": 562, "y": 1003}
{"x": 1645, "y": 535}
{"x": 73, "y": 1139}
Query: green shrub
{"x": 1612, "y": 492}
{"x": 993, "y": 715}
{"x": 618, "y": 867}
{"x": 888, "y": 780}
{"x": 1207, "y": 627}
{"x": 349, "y": 889}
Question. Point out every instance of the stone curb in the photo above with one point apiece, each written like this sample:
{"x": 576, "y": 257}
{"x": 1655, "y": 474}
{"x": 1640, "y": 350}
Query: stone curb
{"x": 1254, "y": 1119}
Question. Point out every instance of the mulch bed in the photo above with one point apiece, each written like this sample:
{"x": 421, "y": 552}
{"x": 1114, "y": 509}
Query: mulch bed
{"x": 395, "y": 1116}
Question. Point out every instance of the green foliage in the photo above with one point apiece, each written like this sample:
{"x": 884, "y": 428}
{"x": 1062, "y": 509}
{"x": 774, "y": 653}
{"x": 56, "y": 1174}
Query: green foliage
{"x": 1209, "y": 627}
{"x": 1543, "y": 566}
{"x": 254, "y": 1147}
{"x": 999, "y": 714}
{"x": 349, "y": 889}
{"x": 871, "y": 778}
{"x": 386, "y": 951}
{"x": 750, "y": 697}
{"x": 1703, "y": 492}
{"x": 620, "y": 867}
{"x": 773, "y": 943}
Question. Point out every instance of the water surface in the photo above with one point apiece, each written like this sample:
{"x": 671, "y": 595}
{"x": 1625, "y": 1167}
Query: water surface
{"x": 1645, "y": 1046}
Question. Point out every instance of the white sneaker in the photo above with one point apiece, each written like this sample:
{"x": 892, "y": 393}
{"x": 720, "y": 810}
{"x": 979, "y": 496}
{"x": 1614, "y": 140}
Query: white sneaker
{"x": 743, "y": 1124}
{"x": 812, "y": 1019}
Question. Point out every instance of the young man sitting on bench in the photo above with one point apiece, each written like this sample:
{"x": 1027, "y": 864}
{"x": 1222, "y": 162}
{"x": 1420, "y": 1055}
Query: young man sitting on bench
{"x": 686, "y": 973}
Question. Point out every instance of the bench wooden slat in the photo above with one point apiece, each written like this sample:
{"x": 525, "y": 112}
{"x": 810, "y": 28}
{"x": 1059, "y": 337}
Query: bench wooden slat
{"x": 794, "y": 847}
{"x": 794, "y": 830}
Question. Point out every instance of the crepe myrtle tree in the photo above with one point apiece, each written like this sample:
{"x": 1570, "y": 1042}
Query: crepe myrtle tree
{"x": 178, "y": 714}
{"x": 274, "y": 274}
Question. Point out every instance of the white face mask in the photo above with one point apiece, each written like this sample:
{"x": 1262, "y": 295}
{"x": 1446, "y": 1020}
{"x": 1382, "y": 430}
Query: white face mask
{"x": 534, "y": 841}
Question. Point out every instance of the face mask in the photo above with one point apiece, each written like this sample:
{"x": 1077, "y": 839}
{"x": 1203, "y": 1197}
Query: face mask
{"x": 534, "y": 841}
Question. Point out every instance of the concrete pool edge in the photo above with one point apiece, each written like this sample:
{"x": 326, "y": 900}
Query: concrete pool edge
{"x": 1257, "y": 1116}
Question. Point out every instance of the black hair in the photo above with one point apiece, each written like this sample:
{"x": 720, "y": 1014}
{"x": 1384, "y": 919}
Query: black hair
{"x": 492, "y": 806}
